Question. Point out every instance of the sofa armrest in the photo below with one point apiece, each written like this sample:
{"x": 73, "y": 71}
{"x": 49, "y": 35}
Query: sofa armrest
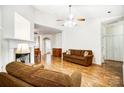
{"x": 64, "y": 54}
{"x": 38, "y": 66}
{"x": 76, "y": 79}
{"x": 7, "y": 80}
{"x": 88, "y": 57}
{"x": 88, "y": 60}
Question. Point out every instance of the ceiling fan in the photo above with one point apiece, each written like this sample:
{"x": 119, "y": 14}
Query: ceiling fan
{"x": 71, "y": 20}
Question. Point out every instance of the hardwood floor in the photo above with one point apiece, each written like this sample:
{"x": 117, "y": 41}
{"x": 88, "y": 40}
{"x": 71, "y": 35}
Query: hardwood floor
{"x": 115, "y": 67}
{"x": 92, "y": 76}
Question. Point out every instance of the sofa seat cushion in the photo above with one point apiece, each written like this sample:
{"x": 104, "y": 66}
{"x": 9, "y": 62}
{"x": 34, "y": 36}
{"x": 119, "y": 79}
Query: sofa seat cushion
{"x": 47, "y": 78}
{"x": 77, "y": 57}
{"x": 38, "y": 77}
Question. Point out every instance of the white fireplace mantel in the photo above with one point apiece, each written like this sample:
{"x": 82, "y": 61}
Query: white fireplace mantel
{"x": 13, "y": 42}
{"x": 15, "y": 39}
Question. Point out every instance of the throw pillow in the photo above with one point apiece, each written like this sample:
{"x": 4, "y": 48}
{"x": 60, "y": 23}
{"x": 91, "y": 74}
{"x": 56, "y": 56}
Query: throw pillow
{"x": 86, "y": 53}
{"x": 68, "y": 52}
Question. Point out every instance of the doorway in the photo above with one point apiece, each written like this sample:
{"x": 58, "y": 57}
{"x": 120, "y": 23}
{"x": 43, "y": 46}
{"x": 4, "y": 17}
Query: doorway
{"x": 47, "y": 46}
{"x": 112, "y": 42}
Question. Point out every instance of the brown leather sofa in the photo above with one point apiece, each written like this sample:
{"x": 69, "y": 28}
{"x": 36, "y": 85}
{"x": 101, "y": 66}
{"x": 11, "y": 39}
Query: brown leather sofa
{"x": 77, "y": 56}
{"x": 20, "y": 75}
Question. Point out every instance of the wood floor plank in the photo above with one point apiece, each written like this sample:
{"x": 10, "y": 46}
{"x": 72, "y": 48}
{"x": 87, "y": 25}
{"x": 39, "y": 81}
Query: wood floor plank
{"x": 107, "y": 75}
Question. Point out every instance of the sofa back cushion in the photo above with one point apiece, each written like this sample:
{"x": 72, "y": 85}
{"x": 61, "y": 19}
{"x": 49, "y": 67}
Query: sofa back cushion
{"x": 38, "y": 77}
{"x": 75, "y": 52}
{"x": 80, "y": 52}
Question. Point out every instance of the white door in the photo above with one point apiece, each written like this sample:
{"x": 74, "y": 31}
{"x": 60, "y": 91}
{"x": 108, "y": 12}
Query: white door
{"x": 113, "y": 44}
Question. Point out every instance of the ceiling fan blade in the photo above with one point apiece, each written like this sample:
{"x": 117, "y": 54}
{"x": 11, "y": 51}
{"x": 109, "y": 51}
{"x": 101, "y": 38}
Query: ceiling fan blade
{"x": 81, "y": 19}
{"x": 59, "y": 20}
{"x": 62, "y": 25}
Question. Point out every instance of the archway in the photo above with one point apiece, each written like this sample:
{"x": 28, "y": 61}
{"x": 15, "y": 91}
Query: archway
{"x": 47, "y": 45}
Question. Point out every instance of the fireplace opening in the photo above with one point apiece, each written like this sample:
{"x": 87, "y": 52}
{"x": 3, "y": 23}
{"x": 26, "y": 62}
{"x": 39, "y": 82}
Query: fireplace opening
{"x": 24, "y": 58}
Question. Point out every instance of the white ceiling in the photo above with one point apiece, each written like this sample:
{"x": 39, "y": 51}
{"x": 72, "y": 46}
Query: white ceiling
{"x": 45, "y": 30}
{"x": 86, "y": 11}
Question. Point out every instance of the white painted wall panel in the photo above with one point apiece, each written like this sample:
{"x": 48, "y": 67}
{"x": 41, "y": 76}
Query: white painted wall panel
{"x": 22, "y": 27}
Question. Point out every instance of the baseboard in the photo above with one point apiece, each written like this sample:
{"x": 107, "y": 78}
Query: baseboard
{"x": 114, "y": 60}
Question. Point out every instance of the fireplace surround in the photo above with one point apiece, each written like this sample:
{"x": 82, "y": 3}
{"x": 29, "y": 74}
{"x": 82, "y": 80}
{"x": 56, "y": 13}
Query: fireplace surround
{"x": 13, "y": 45}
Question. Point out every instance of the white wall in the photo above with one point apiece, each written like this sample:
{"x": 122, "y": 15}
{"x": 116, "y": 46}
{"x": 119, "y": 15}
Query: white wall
{"x": 8, "y": 26}
{"x": 57, "y": 40}
{"x": 0, "y": 51}
{"x": 0, "y": 37}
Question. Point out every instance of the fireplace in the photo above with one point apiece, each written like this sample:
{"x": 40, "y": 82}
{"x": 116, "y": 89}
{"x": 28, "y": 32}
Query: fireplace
{"x": 24, "y": 58}
{"x": 12, "y": 54}
{"x": 23, "y": 53}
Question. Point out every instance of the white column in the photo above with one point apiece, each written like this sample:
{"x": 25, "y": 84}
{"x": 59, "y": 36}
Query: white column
{"x": 32, "y": 55}
{"x": 0, "y": 53}
{"x": 123, "y": 54}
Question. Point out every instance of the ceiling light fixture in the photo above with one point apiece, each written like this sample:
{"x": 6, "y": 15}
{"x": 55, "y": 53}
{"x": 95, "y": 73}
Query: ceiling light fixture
{"x": 70, "y": 20}
{"x": 108, "y": 11}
